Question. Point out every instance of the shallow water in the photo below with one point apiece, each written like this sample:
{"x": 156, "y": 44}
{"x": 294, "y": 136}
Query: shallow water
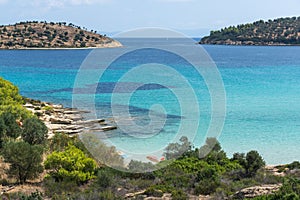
{"x": 262, "y": 87}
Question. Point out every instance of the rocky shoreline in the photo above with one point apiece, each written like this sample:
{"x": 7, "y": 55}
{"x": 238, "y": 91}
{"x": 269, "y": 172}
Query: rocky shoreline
{"x": 66, "y": 120}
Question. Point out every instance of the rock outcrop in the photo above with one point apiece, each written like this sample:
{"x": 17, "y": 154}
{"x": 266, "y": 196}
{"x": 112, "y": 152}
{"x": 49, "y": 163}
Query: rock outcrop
{"x": 256, "y": 191}
{"x": 66, "y": 120}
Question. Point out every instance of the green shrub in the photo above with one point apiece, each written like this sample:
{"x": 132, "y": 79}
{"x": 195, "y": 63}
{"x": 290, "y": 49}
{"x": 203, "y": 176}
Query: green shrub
{"x": 106, "y": 195}
{"x": 33, "y": 196}
{"x": 71, "y": 164}
{"x": 9, "y": 129}
{"x": 251, "y": 163}
{"x": 207, "y": 187}
{"x": 179, "y": 195}
{"x": 140, "y": 167}
{"x": 100, "y": 151}
{"x": 254, "y": 162}
{"x": 24, "y": 159}
{"x": 104, "y": 178}
{"x": 34, "y": 131}
{"x": 151, "y": 191}
{"x": 56, "y": 190}
{"x": 165, "y": 188}
{"x": 9, "y": 94}
{"x": 294, "y": 165}
{"x": 59, "y": 142}
{"x": 175, "y": 150}
{"x": 103, "y": 195}
{"x": 48, "y": 108}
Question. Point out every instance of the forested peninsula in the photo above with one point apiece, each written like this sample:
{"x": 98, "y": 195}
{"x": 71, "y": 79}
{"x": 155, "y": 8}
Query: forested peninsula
{"x": 282, "y": 31}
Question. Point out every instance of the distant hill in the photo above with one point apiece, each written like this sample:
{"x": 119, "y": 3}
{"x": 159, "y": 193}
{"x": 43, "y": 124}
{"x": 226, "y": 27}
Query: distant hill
{"x": 282, "y": 31}
{"x": 51, "y": 35}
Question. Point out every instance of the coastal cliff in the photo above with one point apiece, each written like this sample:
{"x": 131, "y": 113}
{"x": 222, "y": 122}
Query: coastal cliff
{"x": 282, "y": 31}
{"x": 35, "y": 34}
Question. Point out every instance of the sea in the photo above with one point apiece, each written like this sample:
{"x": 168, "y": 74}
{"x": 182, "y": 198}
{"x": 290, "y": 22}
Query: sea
{"x": 159, "y": 95}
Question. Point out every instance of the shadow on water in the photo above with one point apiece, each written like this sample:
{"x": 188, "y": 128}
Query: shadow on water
{"x": 108, "y": 88}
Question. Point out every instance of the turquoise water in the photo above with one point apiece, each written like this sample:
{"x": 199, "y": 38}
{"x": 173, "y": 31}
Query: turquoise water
{"x": 262, "y": 87}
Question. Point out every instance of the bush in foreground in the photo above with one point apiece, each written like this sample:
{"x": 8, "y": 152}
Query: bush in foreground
{"x": 34, "y": 131}
{"x": 71, "y": 164}
{"x": 24, "y": 159}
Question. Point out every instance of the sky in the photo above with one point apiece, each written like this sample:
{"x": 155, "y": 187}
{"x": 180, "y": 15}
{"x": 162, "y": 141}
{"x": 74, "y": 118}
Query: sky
{"x": 194, "y": 18}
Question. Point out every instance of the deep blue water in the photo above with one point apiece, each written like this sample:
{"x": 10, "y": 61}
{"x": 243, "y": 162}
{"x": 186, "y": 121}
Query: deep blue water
{"x": 262, "y": 87}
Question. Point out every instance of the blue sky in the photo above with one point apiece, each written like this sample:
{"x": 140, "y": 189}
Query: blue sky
{"x": 192, "y": 17}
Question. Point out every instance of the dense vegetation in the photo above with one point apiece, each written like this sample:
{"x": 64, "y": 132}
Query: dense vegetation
{"x": 282, "y": 31}
{"x": 20, "y": 145}
{"x": 72, "y": 172}
{"x": 50, "y": 35}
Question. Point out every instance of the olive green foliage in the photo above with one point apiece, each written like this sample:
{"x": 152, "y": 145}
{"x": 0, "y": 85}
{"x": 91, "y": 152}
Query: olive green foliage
{"x": 175, "y": 150}
{"x": 104, "y": 178}
{"x": 102, "y": 153}
{"x": 140, "y": 167}
{"x": 20, "y": 196}
{"x": 179, "y": 195}
{"x": 240, "y": 158}
{"x": 59, "y": 142}
{"x": 48, "y": 108}
{"x": 17, "y": 110}
{"x": 96, "y": 195}
{"x": 71, "y": 164}
{"x": 208, "y": 180}
{"x": 203, "y": 175}
{"x": 153, "y": 192}
{"x": 59, "y": 190}
{"x": 8, "y": 127}
{"x": 11, "y": 111}
{"x": 24, "y": 159}
{"x": 291, "y": 166}
{"x": 34, "y": 131}
{"x": 252, "y": 162}
{"x": 214, "y": 174}
{"x": 103, "y": 187}
{"x": 212, "y": 151}
{"x": 294, "y": 165}
{"x": 104, "y": 195}
{"x": 11, "y": 101}
{"x": 9, "y": 94}
{"x": 278, "y": 31}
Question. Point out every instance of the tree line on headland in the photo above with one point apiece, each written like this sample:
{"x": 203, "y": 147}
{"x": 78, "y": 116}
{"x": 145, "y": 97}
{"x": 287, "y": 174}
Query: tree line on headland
{"x": 67, "y": 170}
{"x": 282, "y": 31}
